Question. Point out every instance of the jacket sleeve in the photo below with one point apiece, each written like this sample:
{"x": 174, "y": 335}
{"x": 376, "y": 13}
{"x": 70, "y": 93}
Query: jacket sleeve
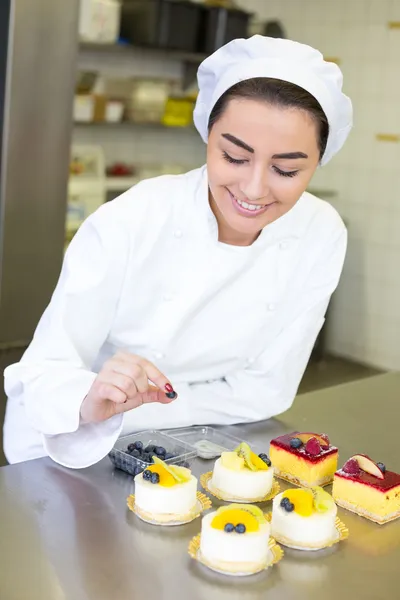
{"x": 269, "y": 385}
{"x": 55, "y": 373}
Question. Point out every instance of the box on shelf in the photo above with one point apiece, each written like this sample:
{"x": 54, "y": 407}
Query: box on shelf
{"x": 147, "y": 100}
{"x": 169, "y": 24}
{"x": 99, "y": 21}
{"x": 178, "y": 112}
{"x": 220, "y": 25}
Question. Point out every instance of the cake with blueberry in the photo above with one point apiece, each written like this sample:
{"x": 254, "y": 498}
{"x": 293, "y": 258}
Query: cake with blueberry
{"x": 235, "y": 539}
{"x": 306, "y": 459}
{"x": 368, "y": 489}
{"x": 242, "y": 475}
{"x": 304, "y": 518}
{"x": 165, "y": 493}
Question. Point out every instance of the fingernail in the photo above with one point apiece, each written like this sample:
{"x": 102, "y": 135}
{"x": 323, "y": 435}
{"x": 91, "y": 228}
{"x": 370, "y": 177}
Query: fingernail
{"x": 169, "y": 388}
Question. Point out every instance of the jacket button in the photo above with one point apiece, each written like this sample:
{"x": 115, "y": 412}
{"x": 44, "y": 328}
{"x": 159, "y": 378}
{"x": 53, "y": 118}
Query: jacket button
{"x": 178, "y": 233}
{"x": 167, "y": 297}
{"x": 158, "y": 354}
{"x": 284, "y": 245}
{"x": 271, "y": 307}
{"x": 250, "y": 360}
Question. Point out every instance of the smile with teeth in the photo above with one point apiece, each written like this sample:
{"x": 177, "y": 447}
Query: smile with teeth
{"x": 246, "y": 205}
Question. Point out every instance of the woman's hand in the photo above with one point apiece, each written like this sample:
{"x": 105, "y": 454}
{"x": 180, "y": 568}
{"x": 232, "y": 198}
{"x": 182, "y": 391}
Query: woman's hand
{"x": 123, "y": 384}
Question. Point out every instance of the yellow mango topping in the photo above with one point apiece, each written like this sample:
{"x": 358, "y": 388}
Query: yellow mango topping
{"x": 166, "y": 479}
{"x": 303, "y": 501}
{"x": 180, "y": 474}
{"x": 250, "y": 508}
{"x": 235, "y": 516}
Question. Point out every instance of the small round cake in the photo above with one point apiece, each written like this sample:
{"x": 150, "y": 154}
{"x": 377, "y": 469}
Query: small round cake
{"x": 234, "y": 539}
{"x": 242, "y": 475}
{"x": 165, "y": 493}
{"x": 304, "y": 519}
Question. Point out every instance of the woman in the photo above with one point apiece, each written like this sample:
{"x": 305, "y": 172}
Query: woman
{"x": 212, "y": 285}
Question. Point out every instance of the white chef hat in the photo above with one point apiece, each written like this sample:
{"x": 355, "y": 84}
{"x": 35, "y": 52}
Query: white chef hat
{"x": 296, "y": 63}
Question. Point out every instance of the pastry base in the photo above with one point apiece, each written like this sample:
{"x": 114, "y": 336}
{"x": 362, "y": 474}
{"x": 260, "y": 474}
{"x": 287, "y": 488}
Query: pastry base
{"x": 205, "y": 481}
{"x": 301, "y": 482}
{"x": 341, "y": 533}
{"x": 203, "y": 503}
{"x": 236, "y": 569}
{"x": 358, "y": 510}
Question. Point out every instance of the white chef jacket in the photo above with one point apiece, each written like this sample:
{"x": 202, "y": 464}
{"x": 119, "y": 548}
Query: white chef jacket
{"x": 231, "y": 327}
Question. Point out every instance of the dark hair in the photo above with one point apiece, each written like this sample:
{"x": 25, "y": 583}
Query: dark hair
{"x": 277, "y": 93}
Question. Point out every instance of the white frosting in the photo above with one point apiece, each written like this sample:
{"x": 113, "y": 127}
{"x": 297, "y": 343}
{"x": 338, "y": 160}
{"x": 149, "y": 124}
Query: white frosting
{"x": 217, "y": 545}
{"x": 157, "y": 499}
{"x": 317, "y": 529}
{"x": 244, "y": 484}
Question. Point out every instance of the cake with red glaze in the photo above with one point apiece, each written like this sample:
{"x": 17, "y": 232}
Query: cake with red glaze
{"x": 306, "y": 459}
{"x": 368, "y": 489}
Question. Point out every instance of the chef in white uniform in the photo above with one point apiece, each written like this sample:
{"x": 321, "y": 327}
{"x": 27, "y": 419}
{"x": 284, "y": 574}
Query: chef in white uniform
{"x": 196, "y": 298}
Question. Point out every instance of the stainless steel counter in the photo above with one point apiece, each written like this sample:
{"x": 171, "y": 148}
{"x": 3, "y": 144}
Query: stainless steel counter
{"x": 67, "y": 535}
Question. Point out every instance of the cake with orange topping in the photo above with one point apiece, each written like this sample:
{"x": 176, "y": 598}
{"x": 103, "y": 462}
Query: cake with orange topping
{"x": 304, "y": 518}
{"x": 306, "y": 459}
{"x": 165, "y": 493}
{"x": 368, "y": 489}
{"x": 242, "y": 475}
{"x": 234, "y": 539}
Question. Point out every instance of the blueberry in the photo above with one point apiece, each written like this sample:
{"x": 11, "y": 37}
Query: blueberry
{"x": 296, "y": 442}
{"x": 169, "y": 455}
{"x": 138, "y": 445}
{"x": 265, "y": 458}
{"x": 135, "y": 453}
{"x": 130, "y": 448}
{"x": 160, "y": 451}
{"x": 155, "y": 478}
{"x": 171, "y": 395}
{"x": 146, "y": 457}
{"x": 147, "y": 475}
{"x": 149, "y": 448}
{"x": 240, "y": 528}
{"x": 381, "y": 466}
{"x": 287, "y": 505}
{"x": 229, "y": 527}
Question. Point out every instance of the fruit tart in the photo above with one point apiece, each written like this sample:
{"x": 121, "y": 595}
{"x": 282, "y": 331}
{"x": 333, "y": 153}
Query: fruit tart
{"x": 368, "y": 489}
{"x": 305, "y": 519}
{"x": 166, "y": 493}
{"x": 306, "y": 459}
{"x": 242, "y": 475}
{"x": 236, "y": 539}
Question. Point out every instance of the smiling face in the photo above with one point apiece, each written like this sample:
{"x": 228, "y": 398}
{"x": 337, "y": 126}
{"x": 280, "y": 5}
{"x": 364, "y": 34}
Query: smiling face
{"x": 260, "y": 159}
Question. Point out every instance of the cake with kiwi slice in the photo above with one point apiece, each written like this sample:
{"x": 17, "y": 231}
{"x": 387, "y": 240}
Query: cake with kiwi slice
{"x": 235, "y": 539}
{"x": 242, "y": 475}
{"x": 165, "y": 493}
{"x": 304, "y": 518}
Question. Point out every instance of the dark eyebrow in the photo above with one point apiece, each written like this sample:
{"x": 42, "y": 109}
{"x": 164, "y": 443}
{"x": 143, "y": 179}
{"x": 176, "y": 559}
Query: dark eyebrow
{"x": 240, "y": 143}
{"x": 290, "y": 155}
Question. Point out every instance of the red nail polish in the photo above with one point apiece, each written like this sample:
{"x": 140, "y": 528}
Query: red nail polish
{"x": 169, "y": 388}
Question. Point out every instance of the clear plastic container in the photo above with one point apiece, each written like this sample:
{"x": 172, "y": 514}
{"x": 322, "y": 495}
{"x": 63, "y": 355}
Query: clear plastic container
{"x": 183, "y": 454}
{"x": 208, "y": 442}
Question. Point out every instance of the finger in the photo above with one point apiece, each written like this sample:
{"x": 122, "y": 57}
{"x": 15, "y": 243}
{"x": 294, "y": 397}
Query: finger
{"x": 107, "y": 391}
{"x": 150, "y": 397}
{"x": 120, "y": 381}
{"x": 152, "y": 372}
{"x": 132, "y": 370}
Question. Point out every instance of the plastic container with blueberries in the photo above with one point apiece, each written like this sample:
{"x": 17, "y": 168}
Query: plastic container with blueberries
{"x": 135, "y": 460}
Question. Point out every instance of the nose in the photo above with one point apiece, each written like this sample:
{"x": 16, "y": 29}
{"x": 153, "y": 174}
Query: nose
{"x": 256, "y": 185}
